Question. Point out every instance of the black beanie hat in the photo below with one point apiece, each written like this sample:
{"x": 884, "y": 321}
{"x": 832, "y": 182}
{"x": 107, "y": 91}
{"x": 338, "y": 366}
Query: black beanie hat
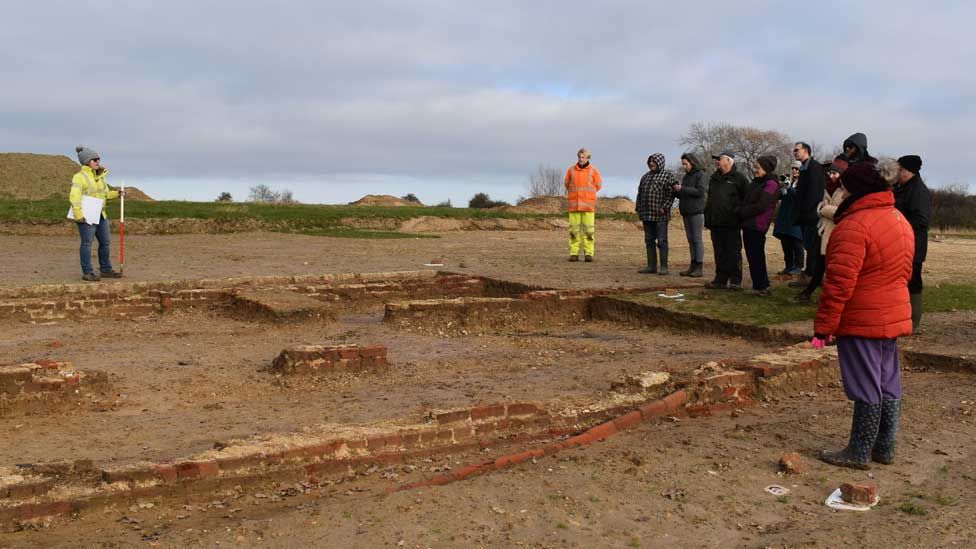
{"x": 911, "y": 162}
{"x": 768, "y": 163}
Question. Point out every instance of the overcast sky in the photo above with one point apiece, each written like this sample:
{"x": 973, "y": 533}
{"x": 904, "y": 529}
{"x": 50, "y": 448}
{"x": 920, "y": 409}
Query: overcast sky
{"x": 334, "y": 100}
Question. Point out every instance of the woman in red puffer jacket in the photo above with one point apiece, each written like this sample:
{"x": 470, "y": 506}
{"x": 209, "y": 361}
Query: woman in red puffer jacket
{"x": 864, "y": 302}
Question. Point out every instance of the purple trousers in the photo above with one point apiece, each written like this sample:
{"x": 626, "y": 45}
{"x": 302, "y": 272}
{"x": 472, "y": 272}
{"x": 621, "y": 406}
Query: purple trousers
{"x": 869, "y": 368}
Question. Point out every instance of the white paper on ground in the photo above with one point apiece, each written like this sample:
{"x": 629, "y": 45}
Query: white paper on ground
{"x": 433, "y": 264}
{"x": 675, "y": 296}
{"x": 836, "y": 501}
{"x": 91, "y": 208}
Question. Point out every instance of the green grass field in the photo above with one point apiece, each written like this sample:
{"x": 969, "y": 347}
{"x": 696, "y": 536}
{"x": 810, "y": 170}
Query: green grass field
{"x": 777, "y": 308}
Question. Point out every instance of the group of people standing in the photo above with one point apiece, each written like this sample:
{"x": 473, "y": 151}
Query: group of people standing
{"x": 863, "y": 228}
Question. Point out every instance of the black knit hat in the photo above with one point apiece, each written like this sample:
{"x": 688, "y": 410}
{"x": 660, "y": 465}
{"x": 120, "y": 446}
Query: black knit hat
{"x": 768, "y": 163}
{"x": 911, "y": 162}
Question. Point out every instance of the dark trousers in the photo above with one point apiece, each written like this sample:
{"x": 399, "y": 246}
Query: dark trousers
{"x": 819, "y": 268}
{"x": 915, "y": 284}
{"x": 869, "y": 368}
{"x": 755, "y": 244}
{"x": 812, "y": 248}
{"x": 656, "y": 234}
{"x": 792, "y": 252}
{"x": 727, "y": 246}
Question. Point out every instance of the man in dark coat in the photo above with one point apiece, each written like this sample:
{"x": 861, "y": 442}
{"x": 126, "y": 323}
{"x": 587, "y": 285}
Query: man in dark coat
{"x": 654, "y": 200}
{"x": 913, "y": 200}
{"x": 809, "y": 193}
{"x": 726, "y": 188}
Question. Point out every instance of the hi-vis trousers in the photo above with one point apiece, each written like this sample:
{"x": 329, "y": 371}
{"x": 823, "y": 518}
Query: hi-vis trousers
{"x": 582, "y": 226}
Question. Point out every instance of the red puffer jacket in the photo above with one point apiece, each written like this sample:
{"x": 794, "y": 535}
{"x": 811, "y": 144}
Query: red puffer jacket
{"x": 869, "y": 264}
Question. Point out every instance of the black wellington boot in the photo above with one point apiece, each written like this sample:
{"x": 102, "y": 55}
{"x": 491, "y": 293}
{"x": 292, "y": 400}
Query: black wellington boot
{"x": 884, "y": 446}
{"x": 916, "y": 300}
{"x": 664, "y": 262}
{"x": 696, "y": 269}
{"x": 864, "y": 433}
{"x": 651, "y": 261}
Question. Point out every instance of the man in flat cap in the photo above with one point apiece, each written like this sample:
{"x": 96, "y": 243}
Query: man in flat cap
{"x": 726, "y": 188}
{"x": 913, "y": 200}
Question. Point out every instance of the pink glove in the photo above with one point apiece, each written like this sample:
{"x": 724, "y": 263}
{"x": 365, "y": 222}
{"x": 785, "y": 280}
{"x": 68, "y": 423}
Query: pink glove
{"x": 818, "y": 342}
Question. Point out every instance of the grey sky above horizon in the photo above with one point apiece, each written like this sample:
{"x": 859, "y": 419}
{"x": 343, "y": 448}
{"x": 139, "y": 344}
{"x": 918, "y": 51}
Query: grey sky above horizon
{"x": 334, "y": 100}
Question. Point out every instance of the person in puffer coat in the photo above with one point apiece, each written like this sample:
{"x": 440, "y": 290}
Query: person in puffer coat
{"x": 755, "y": 216}
{"x": 864, "y": 303}
{"x": 654, "y": 200}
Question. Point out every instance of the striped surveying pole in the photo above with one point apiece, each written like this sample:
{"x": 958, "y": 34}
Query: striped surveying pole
{"x": 122, "y": 230}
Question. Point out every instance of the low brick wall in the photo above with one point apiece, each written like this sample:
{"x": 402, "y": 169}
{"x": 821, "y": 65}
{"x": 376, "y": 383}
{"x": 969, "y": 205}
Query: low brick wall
{"x": 462, "y": 316}
{"x": 46, "y": 385}
{"x": 324, "y": 359}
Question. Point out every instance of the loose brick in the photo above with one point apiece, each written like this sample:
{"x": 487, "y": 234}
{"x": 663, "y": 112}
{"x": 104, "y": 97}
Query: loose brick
{"x": 859, "y": 493}
{"x": 628, "y": 420}
{"x": 792, "y": 464}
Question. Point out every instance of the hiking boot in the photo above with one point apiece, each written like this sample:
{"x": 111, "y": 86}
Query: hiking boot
{"x": 696, "y": 270}
{"x": 588, "y": 258}
{"x": 864, "y": 434}
{"x": 801, "y": 297}
{"x": 884, "y": 445}
{"x": 574, "y": 258}
{"x": 90, "y": 277}
{"x": 111, "y": 274}
{"x": 765, "y": 292}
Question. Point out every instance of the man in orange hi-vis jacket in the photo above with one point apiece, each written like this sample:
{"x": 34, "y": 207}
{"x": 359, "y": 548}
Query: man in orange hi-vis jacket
{"x": 583, "y": 181}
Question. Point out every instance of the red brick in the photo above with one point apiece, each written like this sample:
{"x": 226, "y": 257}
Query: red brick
{"x": 359, "y": 444}
{"x": 230, "y": 463}
{"x": 373, "y": 351}
{"x": 602, "y": 431}
{"x": 446, "y": 435}
{"x": 657, "y": 408}
{"x": 462, "y": 434}
{"x": 349, "y": 353}
{"x": 522, "y": 409}
{"x": 50, "y": 509}
{"x": 166, "y": 472}
{"x": 484, "y": 429}
{"x": 764, "y": 370}
{"x": 676, "y": 400}
{"x": 627, "y": 421}
{"x": 792, "y": 464}
{"x": 30, "y": 488}
{"x": 43, "y": 385}
{"x": 410, "y": 439}
{"x": 488, "y": 412}
{"x": 384, "y": 441}
{"x": 186, "y": 470}
{"x": 860, "y": 493}
{"x": 453, "y": 417}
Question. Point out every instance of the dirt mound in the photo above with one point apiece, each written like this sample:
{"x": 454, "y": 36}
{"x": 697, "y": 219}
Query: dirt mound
{"x": 29, "y": 176}
{"x": 383, "y": 200}
{"x": 558, "y": 204}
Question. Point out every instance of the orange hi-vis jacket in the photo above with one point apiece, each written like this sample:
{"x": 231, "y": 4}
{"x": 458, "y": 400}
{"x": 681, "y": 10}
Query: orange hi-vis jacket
{"x": 582, "y": 184}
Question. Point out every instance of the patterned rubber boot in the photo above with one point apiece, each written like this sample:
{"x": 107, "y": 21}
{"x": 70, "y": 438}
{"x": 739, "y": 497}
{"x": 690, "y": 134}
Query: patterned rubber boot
{"x": 864, "y": 432}
{"x": 884, "y": 446}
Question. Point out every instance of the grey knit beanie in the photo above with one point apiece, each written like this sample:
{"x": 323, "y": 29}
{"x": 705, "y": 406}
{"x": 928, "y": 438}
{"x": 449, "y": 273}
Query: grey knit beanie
{"x": 85, "y": 155}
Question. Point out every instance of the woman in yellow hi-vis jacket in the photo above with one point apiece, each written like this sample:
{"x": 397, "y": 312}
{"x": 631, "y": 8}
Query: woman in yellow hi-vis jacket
{"x": 90, "y": 181}
{"x": 583, "y": 181}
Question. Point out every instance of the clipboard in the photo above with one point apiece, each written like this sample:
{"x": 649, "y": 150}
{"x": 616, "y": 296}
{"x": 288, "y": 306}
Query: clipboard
{"x": 91, "y": 208}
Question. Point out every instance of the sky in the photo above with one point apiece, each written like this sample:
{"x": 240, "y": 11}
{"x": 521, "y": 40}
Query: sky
{"x": 335, "y": 100}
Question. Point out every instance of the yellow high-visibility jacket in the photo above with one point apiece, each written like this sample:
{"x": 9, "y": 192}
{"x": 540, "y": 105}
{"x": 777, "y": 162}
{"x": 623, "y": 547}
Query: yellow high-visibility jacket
{"x": 87, "y": 182}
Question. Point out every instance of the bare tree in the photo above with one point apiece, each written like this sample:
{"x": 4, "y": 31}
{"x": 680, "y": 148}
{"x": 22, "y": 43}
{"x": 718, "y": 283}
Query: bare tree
{"x": 546, "y": 181}
{"x": 746, "y": 142}
{"x": 264, "y": 193}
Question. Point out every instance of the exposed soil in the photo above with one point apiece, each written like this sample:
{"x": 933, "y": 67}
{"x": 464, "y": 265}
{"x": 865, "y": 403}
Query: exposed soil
{"x": 185, "y": 380}
{"x": 691, "y": 483}
{"x": 530, "y": 257}
{"x": 558, "y": 204}
{"x": 383, "y": 200}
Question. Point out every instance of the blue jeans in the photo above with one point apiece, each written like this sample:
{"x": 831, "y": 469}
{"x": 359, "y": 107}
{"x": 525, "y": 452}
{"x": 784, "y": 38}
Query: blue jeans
{"x": 101, "y": 232}
{"x": 656, "y": 234}
{"x": 694, "y": 230}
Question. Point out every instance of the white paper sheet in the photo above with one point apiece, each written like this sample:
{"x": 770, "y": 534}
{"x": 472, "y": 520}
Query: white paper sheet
{"x": 91, "y": 208}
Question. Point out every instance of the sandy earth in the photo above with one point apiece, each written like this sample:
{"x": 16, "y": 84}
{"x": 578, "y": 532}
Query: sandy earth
{"x": 691, "y": 483}
{"x": 185, "y": 380}
{"x": 533, "y": 257}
